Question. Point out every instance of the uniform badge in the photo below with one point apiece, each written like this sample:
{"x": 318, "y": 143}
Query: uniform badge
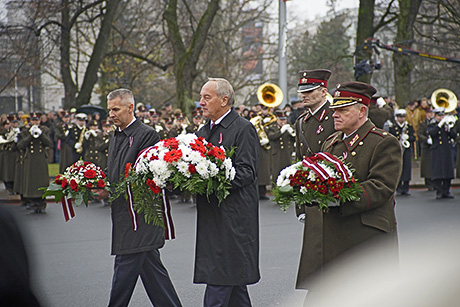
{"x": 220, "y": 138}
{"x": 320, "y": 129}
{"x": 353, "y": 140}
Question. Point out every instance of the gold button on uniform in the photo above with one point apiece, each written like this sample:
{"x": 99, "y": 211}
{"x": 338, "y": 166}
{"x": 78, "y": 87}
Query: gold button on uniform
{"x": 360, "y": 143}
{"x": 353, "y": 153}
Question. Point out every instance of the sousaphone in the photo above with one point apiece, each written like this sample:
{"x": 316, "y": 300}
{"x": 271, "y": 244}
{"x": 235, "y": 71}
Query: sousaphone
{"x": 270, "y": 95}
{"x": 444, "y": 98}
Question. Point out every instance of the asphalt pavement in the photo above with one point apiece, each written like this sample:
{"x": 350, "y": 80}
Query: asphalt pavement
{"x": 72, "y": 265}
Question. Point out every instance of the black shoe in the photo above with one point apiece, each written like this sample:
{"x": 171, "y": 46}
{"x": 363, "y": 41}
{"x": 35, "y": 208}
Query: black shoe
{"x": 448, "y": 196}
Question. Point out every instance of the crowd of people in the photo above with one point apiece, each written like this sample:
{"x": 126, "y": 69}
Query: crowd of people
{"x": 371, "y": 133}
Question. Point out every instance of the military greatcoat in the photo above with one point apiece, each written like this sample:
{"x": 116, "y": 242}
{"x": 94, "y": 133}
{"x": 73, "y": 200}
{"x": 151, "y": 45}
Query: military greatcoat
{"x": 65, "y": 151}
{"x": 227, "y": 236}
{"x": 35, "y": 162}
{"x": 376, "y": 157}
{"x": 282, "y": 149}
{"x": 425, "y": 158}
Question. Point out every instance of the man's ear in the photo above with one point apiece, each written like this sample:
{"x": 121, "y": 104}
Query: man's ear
{"x": 224, "y": 101}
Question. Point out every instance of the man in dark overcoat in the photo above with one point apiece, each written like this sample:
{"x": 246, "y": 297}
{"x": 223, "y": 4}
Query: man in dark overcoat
{"x": 227, "y": 236}
{"x": 425, "y": 143}
{"x": 376, "y": 157}
{"x": 442, "y": 161}
{"x": 65, "y": 151}
{"x": 135, "y": 243}
{"x": 316, "y": 124}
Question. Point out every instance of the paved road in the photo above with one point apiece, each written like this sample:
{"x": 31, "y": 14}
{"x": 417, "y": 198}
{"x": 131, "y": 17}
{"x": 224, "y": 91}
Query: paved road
{"x": 73, "y": 267}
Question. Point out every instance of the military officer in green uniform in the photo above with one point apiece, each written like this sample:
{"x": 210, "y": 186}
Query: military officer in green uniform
{"x": 282, "y": 138}
{"x": 103, "y": 143}
{"x": 376, "y": 157}
{"x": 65, "y": 151}
{"x": 8, "y": 155}
{"x": 90, "y": 143}
{"x": 34, "y": 142}
{"x": 316, "y": 124}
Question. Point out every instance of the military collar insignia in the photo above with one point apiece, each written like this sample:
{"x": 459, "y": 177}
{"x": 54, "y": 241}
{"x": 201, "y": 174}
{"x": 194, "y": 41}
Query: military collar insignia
{"x": 353, "y": 140}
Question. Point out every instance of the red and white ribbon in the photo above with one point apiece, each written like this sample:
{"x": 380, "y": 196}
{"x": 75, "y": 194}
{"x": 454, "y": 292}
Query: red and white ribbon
{"x": 131, "y": 210}
{"x": 67, "y": 208}
{"x": 337, "y": 163}
{"x": 167, "y": 217}
{"x": 318, "y": 169}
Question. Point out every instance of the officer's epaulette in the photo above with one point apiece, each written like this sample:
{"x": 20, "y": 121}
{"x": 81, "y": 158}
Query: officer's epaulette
{"x": 379, "y": 131}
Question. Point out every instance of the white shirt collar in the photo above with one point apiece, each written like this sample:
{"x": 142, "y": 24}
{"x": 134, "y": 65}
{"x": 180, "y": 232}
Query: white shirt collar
{"x": 220, "y": 118}
{"x": 317, "y": 109}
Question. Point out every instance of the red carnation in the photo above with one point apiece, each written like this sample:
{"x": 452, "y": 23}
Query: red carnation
{"x": 216, "y": 152}
{"x": 152, "y": 185}
{"x": 64, "y": 183}
{"x": 127, "y": 168}
{"x": 58, "y": 179}
{"x": 173, "y": 155}
{"x": 192, "y": 168}
{"x": 89, "y": 185}
{"x": 74, "y": 185}
{"x": 90, "y": 174}
{"x": 171, "y": 143}
{"x": 100, "y": 183}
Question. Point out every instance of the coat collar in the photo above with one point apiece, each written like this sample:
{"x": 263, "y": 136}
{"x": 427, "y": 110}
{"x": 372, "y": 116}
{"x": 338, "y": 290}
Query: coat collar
{"x": 356, "y": 138}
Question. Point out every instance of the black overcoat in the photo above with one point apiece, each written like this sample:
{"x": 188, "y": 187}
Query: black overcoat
{"x": 442, "y": 160}
{"x": 124, "y": 147}
{"x": 227, "y": 240}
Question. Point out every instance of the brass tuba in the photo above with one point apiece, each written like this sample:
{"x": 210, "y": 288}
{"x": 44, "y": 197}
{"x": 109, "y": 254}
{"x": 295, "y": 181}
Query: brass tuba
{"x": 444, "y": 98}
{"x": 269, "y": 95}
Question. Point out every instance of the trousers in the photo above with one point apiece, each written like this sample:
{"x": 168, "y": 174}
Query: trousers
{"x": 226, "y": 296}
{"x": 154, "y": 276}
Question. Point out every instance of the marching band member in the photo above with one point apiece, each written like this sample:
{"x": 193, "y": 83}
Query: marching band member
{"x": 442, "y": 162}
{"x": 404, "y": 132}
{"x": 90, "y": 143}
{"x": 75, "y": 136}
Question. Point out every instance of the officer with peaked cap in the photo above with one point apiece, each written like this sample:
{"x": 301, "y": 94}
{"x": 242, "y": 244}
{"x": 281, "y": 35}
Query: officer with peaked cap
{"x": 75, "y": 136}
{"x": 425, "y": 143}
{"x": 375, "y": 155}
{"x": 442, "y": 162}
{"x": 316, "y": 123}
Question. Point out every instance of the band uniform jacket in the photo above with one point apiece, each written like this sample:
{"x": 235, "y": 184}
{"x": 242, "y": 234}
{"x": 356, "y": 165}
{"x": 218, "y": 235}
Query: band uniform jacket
{"x": 442, "y": 161}
{"x": 124, "y": 147}
{"x": 91, "y": 148}
{"x": 65, "y": 151}
{"x": 35, "y": 162}
{"x": 72, "y": 138}
{"x": 103, "y": 143}
{"x": 425, "y": 156}
{"x": 265, "y": 157}
{"x": 398, "y": 131}
{"x": 227, "y": 236}
{"x": 376, "y": 157}
{"x": 282, "y": 149}
{"x": 315, "y": 129}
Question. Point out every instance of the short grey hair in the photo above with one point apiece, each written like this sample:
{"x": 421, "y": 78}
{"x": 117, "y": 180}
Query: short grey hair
{"x": 224, "y": 88}
{"x": 359, "y": 105}
{"x": 125, "y": 95}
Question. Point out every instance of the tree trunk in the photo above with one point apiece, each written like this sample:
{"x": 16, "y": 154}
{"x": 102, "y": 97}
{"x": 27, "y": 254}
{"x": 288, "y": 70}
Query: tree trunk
{"x": 365, "y": 29}
{"x": 186, "y": 59}
{"x": 70, "y": 88}
{"x": 97, "y": 56}
{"x": 408, "y": 10}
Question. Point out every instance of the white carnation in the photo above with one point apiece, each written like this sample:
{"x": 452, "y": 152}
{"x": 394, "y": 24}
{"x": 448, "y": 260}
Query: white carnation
{"x": 213, "y": 169}
{"x": 202, "y": 169}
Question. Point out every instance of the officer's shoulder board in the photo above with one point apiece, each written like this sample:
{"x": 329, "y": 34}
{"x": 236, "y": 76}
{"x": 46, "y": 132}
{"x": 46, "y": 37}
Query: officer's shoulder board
{"x": 379, "y": 132}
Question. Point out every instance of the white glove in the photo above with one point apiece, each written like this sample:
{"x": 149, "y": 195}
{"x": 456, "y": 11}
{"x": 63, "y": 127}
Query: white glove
{"x": 264, "y": 141}
{"x": 284, "y": 128}
{"x": 429, "y": 141}
{"x": 380, "y": 102}
{"x": 93, "y": 132}
{"x": 87, "y": 135}
{"x": 16, "y": 139}
{"x": 158, "y": 128}
{"x": 301, "y": 218}
{"x": 442, "y": 122}
{"x": 404, "y": 137}
{"x": 266, "y": 120}
{"x": 77, "y": 145}
{"x": 66, "y": 133}
{"x": 107, "y": 140}
{"x": 291, "y": 131}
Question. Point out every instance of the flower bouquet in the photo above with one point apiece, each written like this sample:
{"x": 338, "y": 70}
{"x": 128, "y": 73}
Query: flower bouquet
{"x": 187, "y": 162}
{"x": 76, "y": 183}
{"x": 322, "y": 179}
